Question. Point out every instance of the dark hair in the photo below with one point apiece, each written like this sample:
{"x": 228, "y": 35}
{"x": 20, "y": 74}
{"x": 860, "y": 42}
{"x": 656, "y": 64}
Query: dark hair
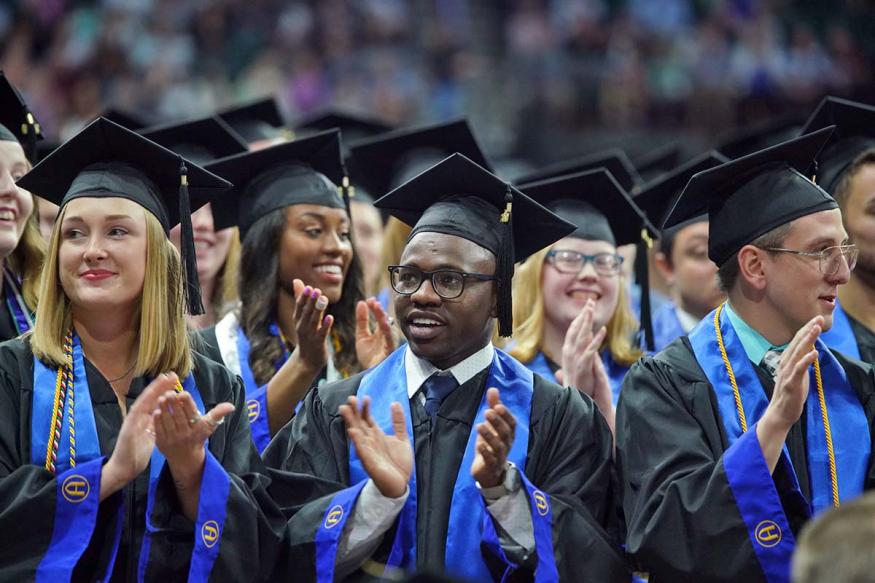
{"x": 666, "y": 243}
{"x": 843, "y": 188}
{"x": 727, "y": 274}
{"x": 259, "y": 281}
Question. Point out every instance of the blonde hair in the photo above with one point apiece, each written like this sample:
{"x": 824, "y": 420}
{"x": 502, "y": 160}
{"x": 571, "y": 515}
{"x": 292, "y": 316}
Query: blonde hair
{"x": 528, "y": 316}
{"x": 226, "y": 292}
{"x": 394, "y": 240}
{"x": 26, "y": 260}
{"x": 163, "y": 343}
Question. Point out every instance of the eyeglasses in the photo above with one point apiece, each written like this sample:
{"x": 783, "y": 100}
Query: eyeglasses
{"x": 830, "y": 259}
{"x": 567, "y": 261}
{"x": 446, "y": 283}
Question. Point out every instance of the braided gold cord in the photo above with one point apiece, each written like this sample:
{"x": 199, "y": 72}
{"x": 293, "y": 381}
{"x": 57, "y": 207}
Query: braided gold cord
{"x": 833, "y": 471}
{"x": 735, "y": 393}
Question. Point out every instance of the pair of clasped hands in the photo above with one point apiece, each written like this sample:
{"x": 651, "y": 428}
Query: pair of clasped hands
{"x": 388, "y": 459}
{"x": 163, "y": 418}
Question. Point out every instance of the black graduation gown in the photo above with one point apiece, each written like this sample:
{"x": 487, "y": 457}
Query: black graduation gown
{"x": 28, "y": 492}
{"x": 681, "y": 518}
{"x": 865, "y": 340}
{"x": 569, "y": 458}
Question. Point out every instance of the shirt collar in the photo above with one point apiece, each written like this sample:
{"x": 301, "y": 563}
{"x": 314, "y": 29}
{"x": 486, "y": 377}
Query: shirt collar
{"x": 686, "y": 319}
{"x": 419, "y": 369}
{"x": 755, "y": 345}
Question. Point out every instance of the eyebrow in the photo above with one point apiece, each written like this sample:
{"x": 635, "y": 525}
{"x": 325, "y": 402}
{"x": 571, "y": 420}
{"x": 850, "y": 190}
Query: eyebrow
{"x": 827, "y": 241}
{"x": 110, "y": 218}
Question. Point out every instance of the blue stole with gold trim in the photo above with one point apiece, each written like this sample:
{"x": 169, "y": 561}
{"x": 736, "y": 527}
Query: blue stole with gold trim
{"x": 748, "y": 476}
{"x": 841, "y": 335}
{"x": 79, "y": 485}
{"x": 256, "y": 395}
{"x": 470, "y": 523}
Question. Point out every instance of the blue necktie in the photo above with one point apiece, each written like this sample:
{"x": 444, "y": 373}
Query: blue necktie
{"x": 437, "y": 387}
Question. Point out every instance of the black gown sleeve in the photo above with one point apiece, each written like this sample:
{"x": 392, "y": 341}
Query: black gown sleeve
{"x": 571, "y": 459}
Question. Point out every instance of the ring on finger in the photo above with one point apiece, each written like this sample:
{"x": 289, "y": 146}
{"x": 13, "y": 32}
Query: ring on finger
{"x": 150, "y": 431}
{"x": 193, "y": 420}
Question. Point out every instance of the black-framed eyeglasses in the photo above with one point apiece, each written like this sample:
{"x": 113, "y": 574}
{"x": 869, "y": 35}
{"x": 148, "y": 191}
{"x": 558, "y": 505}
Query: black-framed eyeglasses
{"x": 447, "y": 283}
{"x": 830, "y": 259}
{"x": 567, "y": 261}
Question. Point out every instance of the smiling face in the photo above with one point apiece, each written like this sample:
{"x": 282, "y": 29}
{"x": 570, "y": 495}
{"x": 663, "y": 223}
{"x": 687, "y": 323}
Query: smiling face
{"x": 211, "y": 246}
{"x": 795, "y": 289}
{"x": 443, "y": 331}
{"x": 315, "y": 247}
{"x": 102, "y": 253}
{"x": 16, "y": 204}
{"x": 565, "y": 294}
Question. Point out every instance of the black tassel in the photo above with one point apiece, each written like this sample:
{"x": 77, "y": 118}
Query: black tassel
{"x": 193, "y": 302}
{"x": 504, "y": 269}
{"x": 643, "y": 279}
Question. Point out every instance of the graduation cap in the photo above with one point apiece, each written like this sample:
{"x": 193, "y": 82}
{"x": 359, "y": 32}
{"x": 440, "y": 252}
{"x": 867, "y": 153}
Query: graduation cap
{"x": 750, "y": 196}
{"x": 353, "y": 126}
{"x": 758, "y": 136}
{"x": 254, "y": 121}
{"x": 601, "y": 210}
{"x": 125, "y": 118}
{"x": 459, "y": 197}
{"x": 613, "y": 160}
{"x": 305, "y": 171}
{"x": 108, "y": 160}
{"x": 658, "y": 161}
{"x": 657, "y": 196}
{"x": 199, "y": 140}
{"x": 854, "y": 134}
{"x": 386, "y": 161}
{"x": 17, "y": 123}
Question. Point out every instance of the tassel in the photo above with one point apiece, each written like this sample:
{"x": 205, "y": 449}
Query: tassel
{"x": 643, "y": 279}
{"x": 192, "y": 286}
{"x": 814, "y": 172}
{"x": 504, "y": 268}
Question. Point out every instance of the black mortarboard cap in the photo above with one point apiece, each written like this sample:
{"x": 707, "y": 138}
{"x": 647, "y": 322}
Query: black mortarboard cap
{"x": 200, "y": 140}
{"x": 656, "y": 162}
{"x": 599, "y": 208}
{"x": 17, "y": 123}
{"x": 386, "y": 161}
{"x": 595, "y": 203}
{"x": 758, "y": 136}
{"x": 657, "y": 196}
{"x": 107, "y": 160}
{"x": 124, "y": 118}
{"x": 459, "y": 197}
{"x": 613, "y": 160}
{"x": 257, "y": 120}
{"x": 750, "y": 196}
{"x": 854, "y": 134}
{"x": 305, "y": 171}
{"x": 354, "y": 127}
{"x": 44, "y": 148}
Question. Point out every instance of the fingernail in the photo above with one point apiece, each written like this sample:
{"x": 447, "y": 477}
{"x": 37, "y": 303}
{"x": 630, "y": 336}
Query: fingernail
{"x": 306, "y": 292}
{"x": 321, "y": 303}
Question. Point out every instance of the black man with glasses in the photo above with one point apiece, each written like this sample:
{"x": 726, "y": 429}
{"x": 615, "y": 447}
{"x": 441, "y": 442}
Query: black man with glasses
{"x": 450, "y": 456}
{"x": 846, "y": 170}
{"x": 733, "y": 437}
{"x": 572, "y": 312}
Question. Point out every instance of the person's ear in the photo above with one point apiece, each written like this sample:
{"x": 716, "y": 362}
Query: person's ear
{"x": 664, "y": 267}
{"x": 752, "y": 266}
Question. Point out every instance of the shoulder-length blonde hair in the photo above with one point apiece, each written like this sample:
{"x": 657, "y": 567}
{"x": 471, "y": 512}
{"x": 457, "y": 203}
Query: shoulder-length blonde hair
{"x": 26, "y": 260}
{"x": 227, "y": 291}
{"x": 528, "y": 316}
{"x": 163, "y": 343}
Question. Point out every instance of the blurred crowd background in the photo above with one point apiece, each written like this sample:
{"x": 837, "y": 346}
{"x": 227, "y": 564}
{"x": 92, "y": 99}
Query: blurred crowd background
{"x": 538, "y": 79}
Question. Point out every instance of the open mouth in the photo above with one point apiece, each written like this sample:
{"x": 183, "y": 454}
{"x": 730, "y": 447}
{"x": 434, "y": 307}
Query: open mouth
{"x": 584, "y": 295}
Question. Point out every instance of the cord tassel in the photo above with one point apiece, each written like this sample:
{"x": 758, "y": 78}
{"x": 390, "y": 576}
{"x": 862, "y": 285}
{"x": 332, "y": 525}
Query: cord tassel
{"x": 504, "y": 271}
{"x": 194, "y": 304}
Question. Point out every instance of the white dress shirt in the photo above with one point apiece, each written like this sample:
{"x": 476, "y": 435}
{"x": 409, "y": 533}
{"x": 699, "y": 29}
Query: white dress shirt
{"x": 373, "y": 513}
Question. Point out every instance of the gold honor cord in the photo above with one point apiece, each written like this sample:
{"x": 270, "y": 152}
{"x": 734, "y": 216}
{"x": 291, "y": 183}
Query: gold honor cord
{"x": 64, "y": 396}
{"x": 833, "y": 471}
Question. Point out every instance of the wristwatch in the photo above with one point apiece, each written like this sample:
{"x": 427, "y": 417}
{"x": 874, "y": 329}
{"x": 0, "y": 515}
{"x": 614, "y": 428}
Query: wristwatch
{"x": 510, "y": 485}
